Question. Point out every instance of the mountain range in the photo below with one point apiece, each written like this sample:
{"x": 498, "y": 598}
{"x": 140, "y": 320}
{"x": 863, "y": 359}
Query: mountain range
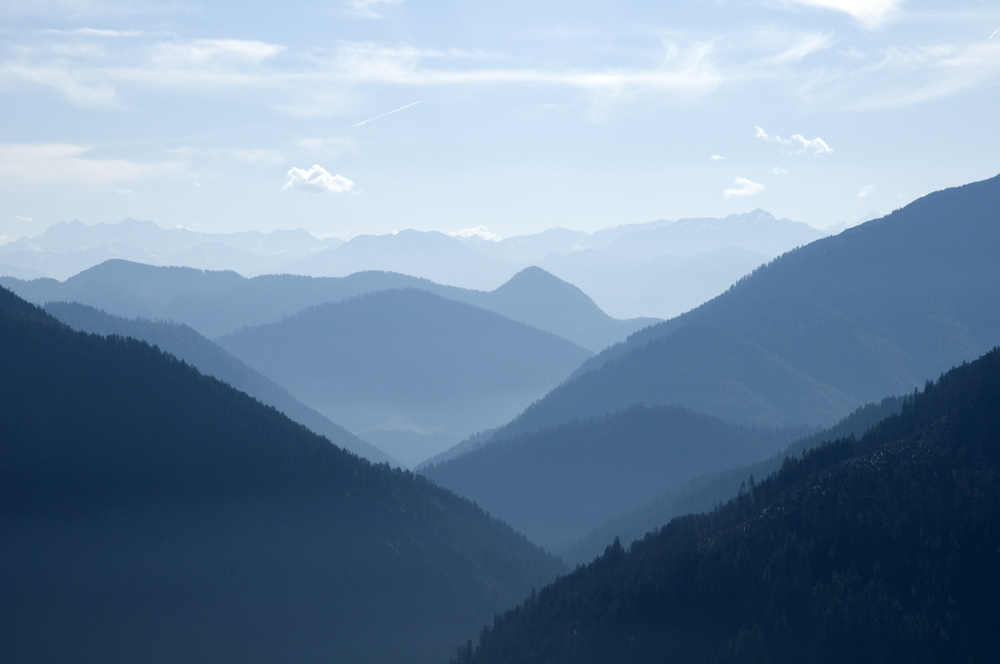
{"x": 657, "y": 269}
{"x": 151, "y": 513}
{"x": 216, "y": 303}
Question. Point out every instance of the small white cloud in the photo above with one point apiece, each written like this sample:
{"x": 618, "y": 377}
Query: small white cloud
{"x": 744, "y": 187}
{"x": 867, "y": 189}
{"x": 717, "y": 157}
{"x": 778, "y": 170}
{"x": 125, "y": 192}
{"x": 480, "y": 231}
{"x": 317, "y": 180}
{"x": 816, "y": 145}
{"x": 20, "y": 218}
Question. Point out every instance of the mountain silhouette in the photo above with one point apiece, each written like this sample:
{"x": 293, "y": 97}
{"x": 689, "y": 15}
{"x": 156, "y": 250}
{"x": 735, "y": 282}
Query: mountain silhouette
{"x": 210, "y": 359}
{"x": 153, "y": 514}
{"x": 410, "y": 372}
{"x": 216, "y": 303}
{"x": 882, "y": 548}
{"x": 557, "y": 484}
{"x": 704, "y": 492}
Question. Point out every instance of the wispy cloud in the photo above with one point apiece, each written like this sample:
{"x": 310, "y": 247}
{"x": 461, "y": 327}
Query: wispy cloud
{"x": 744, "y": 187}
{"x": 368, "y": 8}
{"x": 872, "y": 14}
{"x": 778, "y": 170}
{"x": 68, "y": 165}
{"x": 317, "y": 180}
{"x": 866, "y": 191}
{"x": 815, "y": 146}
{"x": 22, "y": 218}
{"x": 717, "y": 157}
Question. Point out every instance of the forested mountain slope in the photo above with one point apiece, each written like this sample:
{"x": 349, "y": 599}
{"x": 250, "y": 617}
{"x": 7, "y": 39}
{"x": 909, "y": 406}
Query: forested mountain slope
{"x": 843, "y": 321}
{"x": 212, "y": 360}
{"x": 407, "y": 370}
{"x": 217, "y": 303}
{"x": 153, "y": 514}
{"x": 557, "y": 484}
{"x": 880, "y": 549}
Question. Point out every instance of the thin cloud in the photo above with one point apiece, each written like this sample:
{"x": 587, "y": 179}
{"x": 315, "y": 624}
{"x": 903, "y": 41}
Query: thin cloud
{"x": 866, "y": 191}
{"x": 65, "y": 164}
{"x": 402, "y": 108}
{"x": 778, "y": 170}
{"x": 743, "y": 187}
{"x": 21, "y": 218}
{"x": 872, "y": 14}
{"x": 717, "y": 157}
{"x": 367, "y": 8}
{"x": 316, "y": 180}
{"x": 993, "y": 35}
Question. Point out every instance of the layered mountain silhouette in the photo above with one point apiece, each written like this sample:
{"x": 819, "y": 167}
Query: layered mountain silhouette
{"x": 210, "y": 359}
{"x": 703, "y": 493}
{"x": 843, "y": 321}
{"x": 216, "y": 303}
{"x": 557, "y": 484}
{"x": 661, "y": 268}
{"x": 878, "y": 549}
{"x": 150, "y": 513}
{"x": 407, "y": 370}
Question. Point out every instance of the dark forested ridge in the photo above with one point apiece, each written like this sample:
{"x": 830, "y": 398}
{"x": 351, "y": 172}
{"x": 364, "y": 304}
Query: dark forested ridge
{"x": 557, "y": 484}
{"x": 407, "y": 370}
{"x": 152, "y": 514}
{"x": 220, "y": 302}
{"x": 879, "y": 549}
{"x": 212, "y": 360}
{"x": 846, "y": 320}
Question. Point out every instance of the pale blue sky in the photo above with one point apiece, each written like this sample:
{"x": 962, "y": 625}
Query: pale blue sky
{"x": 518, "y": 116}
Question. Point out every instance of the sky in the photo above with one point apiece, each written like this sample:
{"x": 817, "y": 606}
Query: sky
{"x": 347, "y": 117}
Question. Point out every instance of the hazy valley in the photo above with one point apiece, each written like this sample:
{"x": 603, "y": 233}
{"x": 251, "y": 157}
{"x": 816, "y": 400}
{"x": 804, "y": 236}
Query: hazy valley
{"x": 225, "y": 451}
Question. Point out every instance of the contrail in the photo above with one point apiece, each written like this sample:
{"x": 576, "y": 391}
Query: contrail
{"x": 994, "y": 34}
{"x": 384, "y": 114}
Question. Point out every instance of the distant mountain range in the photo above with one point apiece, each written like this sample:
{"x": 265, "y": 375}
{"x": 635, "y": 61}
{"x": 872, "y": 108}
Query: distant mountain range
{"x": 210, "y": 359}
{"x": 876, "y": 310}
{"x": 882, "y": 548}
{"x": 658, "y": 269}
{"x": 216, "y": 303}
{"x": 407, "y": 370}
{"x": 68, "y": 248}
{"x": 152, "y": 514}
